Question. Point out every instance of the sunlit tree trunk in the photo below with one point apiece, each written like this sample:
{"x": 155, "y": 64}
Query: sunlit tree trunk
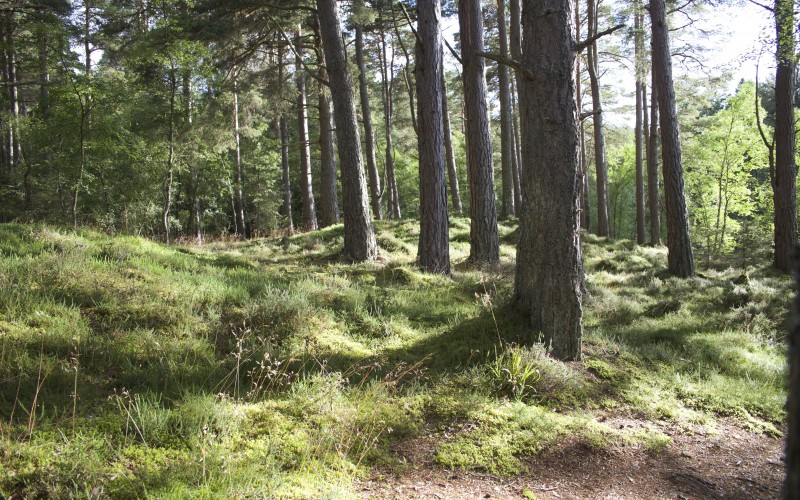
{"x": 653, "y": 195}
{"x": 638, "y": 130}
{"x": 680, "y": 259}
{"x": 306, "y": 184}
{"x": 329, "y": 204}
{"x": 434, "y": 244}
{"x": 484, "y": 242}
{"x": 359, "y": 237}
{"x": 450, "y": 157}
{"x": 506, "y": 123}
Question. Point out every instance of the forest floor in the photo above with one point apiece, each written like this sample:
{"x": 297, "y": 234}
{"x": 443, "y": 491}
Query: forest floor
{"x": 268, "y": 367}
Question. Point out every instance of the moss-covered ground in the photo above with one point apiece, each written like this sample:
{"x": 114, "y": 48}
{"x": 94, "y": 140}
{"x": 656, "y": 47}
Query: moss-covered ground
{"x": 268, "y": 367}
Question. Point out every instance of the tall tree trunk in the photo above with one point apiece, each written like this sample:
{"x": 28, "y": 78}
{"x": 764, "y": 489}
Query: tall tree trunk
{"x": 516, "y": 159}
{"x": 791, "y": 486}
{"x": 653, "y": 196}
{"x": 549, "y": 263}
{"x": 13, "y": 90}
{"x": 283, "y": 133}
{"x": 584, "y": 168}
{"x": 506, "y": 123}
{"x": 783, "y": 180}
{"x": 515, "y": 47}
{"x": 407, "y": 77}
{"x": 238, "y": 194}
{"x": 680, "y": 260}
{"x": 638, "y": 131}
{"x": 328, "y": 203}
{"x": 359, "y": 237}
{"x": 484, "y": 243}
{"x": 434, "y": 243}
{"x": 603, "y": 224}
{"x": 173, "y": 83}
{"x": 195, "y": 226}
{"x": 306, "y": 185}
{"x": 369, "y": 134}
{"x": 387, "y": 87}
{"x": 449, "y": 154}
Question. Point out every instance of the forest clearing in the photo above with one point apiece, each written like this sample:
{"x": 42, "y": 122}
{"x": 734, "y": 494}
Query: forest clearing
{"x": 268, "y": 367}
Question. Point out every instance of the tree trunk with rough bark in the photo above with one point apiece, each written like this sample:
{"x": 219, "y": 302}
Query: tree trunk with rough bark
{"x": 549, "y": 262}
{"x": 328, "y": 203}
{"x": 638, "y": 129}
{"x": 784, "y": 177}
{"x": 359, "y": 237}
{"x": 434, "y": 243}
{"x": 369, "y": 133}
{"x": 601, "y": 169}
{"x": 306, "y": 184}
{"x": 387, "y": 89}
{"x": 653, "y": 198}
{"x": 506, "y": 123}
{"x": 680, "y": 259}
{"x": 791, "y": 486}
{"x": 450, "y": 157}
{"x": 484, "y": 242}
{"x": 283, "y": 133}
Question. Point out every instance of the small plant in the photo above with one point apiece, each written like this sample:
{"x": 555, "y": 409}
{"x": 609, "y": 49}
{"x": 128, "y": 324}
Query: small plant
{"x": 513, "y": 374}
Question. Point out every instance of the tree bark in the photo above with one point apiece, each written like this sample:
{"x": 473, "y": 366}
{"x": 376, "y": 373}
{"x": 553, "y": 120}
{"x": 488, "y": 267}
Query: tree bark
{"x": 238, "y": 194}
{"x": 173, "y": 83}
{"x": 603, "y": 224}
{"x": 359, "y": 237}
{"x": 484, "y": 242}
{"x": 680, "y": 260}
{"x": 506, "y": 124}
{"x": 791, "y": 487}
{"x": 783, "y": 180}
{"x": 306, "y": 185}
{"x": 283, "y": 132}
{"x": 638, "y": 130}
{"x": 450, "y": 157}
{"x": 329, "y": 205}
{"x": 653, "y": 198}
{"x": 549, "y": 263}
{"x": 387, "y": 87}
{"x": 369, "y": 133}
{"x": 434, "y": 243}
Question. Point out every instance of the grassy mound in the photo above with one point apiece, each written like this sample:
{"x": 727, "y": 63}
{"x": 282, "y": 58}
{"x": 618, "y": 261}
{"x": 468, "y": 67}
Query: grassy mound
{"x": 129, "y": 368}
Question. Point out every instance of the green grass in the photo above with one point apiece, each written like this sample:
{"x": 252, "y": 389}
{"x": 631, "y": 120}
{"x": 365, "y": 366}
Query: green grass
{"x": 129, "y": 368}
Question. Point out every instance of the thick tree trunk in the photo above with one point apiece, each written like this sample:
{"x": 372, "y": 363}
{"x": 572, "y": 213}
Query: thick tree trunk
{"x": 679, "y": 247}
{"x": 506, "y": 123}
{"x": 653, "y": 196}
{"x": 450, "y": 157}
{"x": 359, "y": 237}
{"x": 783, "y": 180}
{"x": 369, "y": 134}
{"x": 638, "y": 130}
{"x": 549, "y": 263}
{"x": 328, "y": 203}
{"x": 791, "y": 487}
{"x": 434, "y": 243}
{"x": 484, "y": 243}
{"x": 306, "y": 185}
{"x": 603, "y": 224}
{"x": 238, "y": 193}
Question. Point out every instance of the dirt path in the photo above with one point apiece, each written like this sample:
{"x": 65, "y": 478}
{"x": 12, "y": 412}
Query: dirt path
{"x": 730, "y": 463}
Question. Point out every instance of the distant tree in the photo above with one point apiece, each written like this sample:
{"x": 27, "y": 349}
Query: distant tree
{"x": 359, "y": 237}
{"x": 306, "y": 183}
{"x": 601, "y": 168}
{"x": 507, "y": 156}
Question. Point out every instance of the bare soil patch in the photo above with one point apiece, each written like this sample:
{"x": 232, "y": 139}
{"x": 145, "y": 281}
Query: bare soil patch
{"x": 727, "y": 462}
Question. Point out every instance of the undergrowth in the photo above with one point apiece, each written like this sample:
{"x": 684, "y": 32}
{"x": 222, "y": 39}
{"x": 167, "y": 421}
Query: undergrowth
{"x": 268, "y": 367}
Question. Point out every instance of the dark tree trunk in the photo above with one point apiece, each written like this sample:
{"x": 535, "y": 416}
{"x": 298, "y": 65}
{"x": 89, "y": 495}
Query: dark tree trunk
{"x": 679, "y": 247}
{"x": 506, "y": 123}
{"x": 516, "y": 160}
{"x": 306, "y": 185}
{"x": 369, "y": 134}
{"x": 603, "y": 224}
{"x": 434, "y": 244}
{"x": 653, "y": 196}
{"x": 783, "y": 180}
{"x": 387, "y": 88}
{"x": 582, "y": 165}
{"x": 238, "y": 192}
{"x": 515, "y": 47}
{"x": 328, "y": 203}
{"x": 638, "y": 131}
{"x": 791, "y": 488}
{"x": 450, "y": 157}
{"x": 484, "y": 243}
{"x": 359, "y": 237}
{"x": 549, "y": 263}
